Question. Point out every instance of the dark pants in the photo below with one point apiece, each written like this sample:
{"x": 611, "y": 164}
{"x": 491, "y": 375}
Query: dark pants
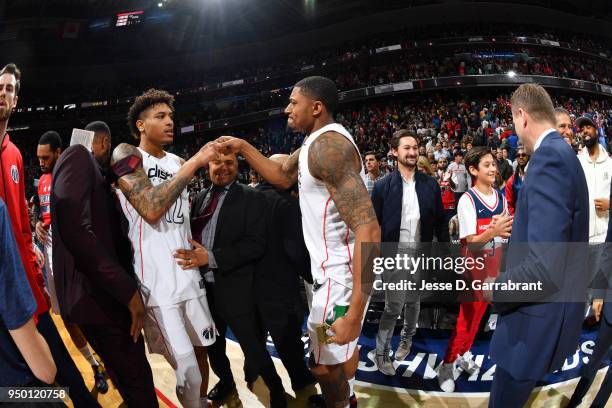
{"x": 508, "y": 392}
{"x": 448, "y": 214}
{"x": 283, "y": 320}
{"x": 248, "y": 334}
{"x": 125, "y": 362}
{"x": 589, "y": 371}
{"x": 68, "y": 374}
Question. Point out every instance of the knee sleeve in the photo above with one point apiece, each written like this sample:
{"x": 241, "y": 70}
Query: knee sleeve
{"x": 188, "y": 380}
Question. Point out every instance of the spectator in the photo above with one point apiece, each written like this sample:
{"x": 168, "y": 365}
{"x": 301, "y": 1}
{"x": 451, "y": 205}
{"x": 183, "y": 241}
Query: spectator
{"x": 448, "y": 196}
{"x": 597, "y": 167}
{"x": 415, "y": 217}
{"x": 424, "y": 166}
{"x": 564, "y": 125}
{"x": 515, "y": 182}
{"x": 373, "y": 173}
{"x": 459, "y": 180}
{"x": 505, "y": 168}
{"x": 254, "y": 179}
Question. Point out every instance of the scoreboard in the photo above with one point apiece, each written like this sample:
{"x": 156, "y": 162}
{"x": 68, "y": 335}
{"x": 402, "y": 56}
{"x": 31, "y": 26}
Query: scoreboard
{"x": 130, "y": 18}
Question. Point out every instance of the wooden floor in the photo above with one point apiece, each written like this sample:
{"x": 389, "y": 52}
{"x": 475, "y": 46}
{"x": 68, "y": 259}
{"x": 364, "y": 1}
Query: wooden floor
{"x": 368, "y": 395}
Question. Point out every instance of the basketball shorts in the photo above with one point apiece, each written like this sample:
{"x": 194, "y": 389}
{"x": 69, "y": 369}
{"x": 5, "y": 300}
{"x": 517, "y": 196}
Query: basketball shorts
{"x": 185, "y": 325}
{"x": 324, "y": 297}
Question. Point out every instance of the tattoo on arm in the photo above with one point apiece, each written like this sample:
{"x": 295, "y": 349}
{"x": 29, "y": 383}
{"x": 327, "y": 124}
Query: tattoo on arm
{"x": 290, "y": 166}
{"x": 150, "y": 201}
{"x": 333, "y": 159}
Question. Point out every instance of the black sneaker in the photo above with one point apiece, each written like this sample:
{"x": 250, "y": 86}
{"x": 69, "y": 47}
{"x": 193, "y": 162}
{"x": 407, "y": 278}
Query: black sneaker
{"x": 100, "y": 379}
{"x": 317, "y": 401}
{"x": 221, "y": 391}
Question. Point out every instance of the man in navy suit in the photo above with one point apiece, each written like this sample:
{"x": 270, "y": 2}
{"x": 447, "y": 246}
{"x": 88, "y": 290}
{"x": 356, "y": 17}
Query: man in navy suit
{"x": 602, "y": 306}
{"x": 552, "y": 215}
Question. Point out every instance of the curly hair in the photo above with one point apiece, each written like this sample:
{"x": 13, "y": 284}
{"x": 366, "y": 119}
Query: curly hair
{"x": 144, "y": 102}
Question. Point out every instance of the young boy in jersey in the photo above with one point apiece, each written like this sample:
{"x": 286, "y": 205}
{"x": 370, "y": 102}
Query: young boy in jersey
{"x": 159, "y": 225}
{"x": 483, "y": 222}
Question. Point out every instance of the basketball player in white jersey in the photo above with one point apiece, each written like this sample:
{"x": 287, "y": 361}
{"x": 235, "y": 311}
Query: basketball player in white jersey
{"x": 159, "y": 225}
{"x": 337, "y": 217}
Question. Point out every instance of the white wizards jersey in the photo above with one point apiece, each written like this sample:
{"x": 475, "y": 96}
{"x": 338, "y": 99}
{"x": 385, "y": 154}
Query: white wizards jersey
{"x": 154, "y": 244}
{"x": 328, "y": 238}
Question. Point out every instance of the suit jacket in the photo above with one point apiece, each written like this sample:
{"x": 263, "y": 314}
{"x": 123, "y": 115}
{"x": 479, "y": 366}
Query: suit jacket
{"x": 92, "y": 255}
{"x": 240, "y": 242}
{"x": 286, "y": 257}
{"x": 387, "y": 202}
{"x": 602, "y": 284}
{"x": 532, "y": 339}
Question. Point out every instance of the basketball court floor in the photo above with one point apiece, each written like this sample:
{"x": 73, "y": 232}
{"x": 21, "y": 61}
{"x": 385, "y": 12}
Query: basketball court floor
{"x": 372, "y": 388}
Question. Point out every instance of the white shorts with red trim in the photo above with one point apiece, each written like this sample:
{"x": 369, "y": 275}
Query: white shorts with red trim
{"x": 185, "y": 325}
{"x": 328, "y": 294}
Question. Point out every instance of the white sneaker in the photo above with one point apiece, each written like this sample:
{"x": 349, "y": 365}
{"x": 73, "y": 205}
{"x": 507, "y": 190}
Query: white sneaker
{"x": 403, "y": 350}
{"x": 466, "y": 363}
{"x": 446, "y": 377}
{"x": 385, "y": 365}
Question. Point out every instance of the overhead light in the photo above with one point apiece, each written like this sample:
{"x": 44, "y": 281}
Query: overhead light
{"x": 511, "y": 74}
{"x": 160, "y": 4}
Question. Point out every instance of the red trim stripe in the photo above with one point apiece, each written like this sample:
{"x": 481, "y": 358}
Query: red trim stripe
{"x": 325, "y": 237}
{"x": 164, "y": 399}
{"x": 483, "y": 201}
{"x": 324, "y": 316}
{"x": 348, "y": 249}
{"x": 127, "y": 210}
{"x": 141, "y": 261}
{"x": 472, "y": 200}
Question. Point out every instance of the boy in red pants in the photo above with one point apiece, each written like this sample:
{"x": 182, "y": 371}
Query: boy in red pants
{"x": 484, "y": 222}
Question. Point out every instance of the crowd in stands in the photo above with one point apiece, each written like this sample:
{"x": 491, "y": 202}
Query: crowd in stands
{"x": 197, "y": 79}
{"x": 375, "y": 70}
{"x": 453, "y": 120}
{"x": 446, "y": 117}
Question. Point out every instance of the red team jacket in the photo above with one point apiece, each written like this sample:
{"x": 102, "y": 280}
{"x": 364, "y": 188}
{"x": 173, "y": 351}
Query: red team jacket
{"x": 44, "y": 195}
{"x": 12, "y": 191}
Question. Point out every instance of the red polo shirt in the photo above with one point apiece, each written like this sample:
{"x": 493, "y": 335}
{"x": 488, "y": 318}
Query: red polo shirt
{"x": 12, "y": 191}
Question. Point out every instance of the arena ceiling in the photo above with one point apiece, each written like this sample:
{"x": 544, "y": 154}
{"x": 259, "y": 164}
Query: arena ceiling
{"x": 279, "y": 13}
{"x": 33, "y": 31}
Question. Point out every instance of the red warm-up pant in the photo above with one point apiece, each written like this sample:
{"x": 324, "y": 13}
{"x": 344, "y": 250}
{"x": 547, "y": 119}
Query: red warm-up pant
{"x": 470, "y": 314}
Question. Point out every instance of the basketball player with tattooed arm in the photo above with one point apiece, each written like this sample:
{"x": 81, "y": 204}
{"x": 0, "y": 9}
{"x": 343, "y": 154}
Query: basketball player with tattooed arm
{"x": 155, "y": 202}
{"x": 337, "y": 217}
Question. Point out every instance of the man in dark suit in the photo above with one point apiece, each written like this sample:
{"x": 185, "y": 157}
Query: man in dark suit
{"x": 277, "y": 282}
{"x": 552, "y": 215}
{"x": 408, "y": 205}
{"x": 602, "y": 306}
{"x": 92, "y": 257}
{"x": 229, "y": 221}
